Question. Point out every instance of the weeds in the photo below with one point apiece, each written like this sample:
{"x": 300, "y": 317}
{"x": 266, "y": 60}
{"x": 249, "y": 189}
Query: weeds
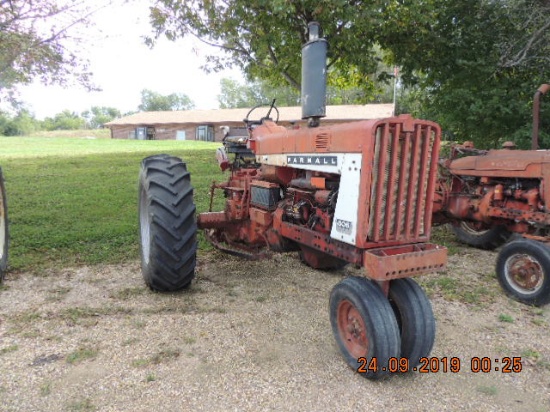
{"x": 46, "y": 388}
{"x": 164, "y": 355}
{"x": 488, "y": 390}
{"x": 84, "y": 405}
{"x": 503, "y": 317}
{"x": 81, "y": 354}
{"x": 8, "y": 349}
{"x": 128, "y": 293}
{"x": 189, "y": 340}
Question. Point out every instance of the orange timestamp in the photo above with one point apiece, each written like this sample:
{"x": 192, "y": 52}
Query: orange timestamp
{"x": 444, "y": 364}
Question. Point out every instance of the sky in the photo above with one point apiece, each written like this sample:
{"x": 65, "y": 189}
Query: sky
{"x": 123, "y": 65}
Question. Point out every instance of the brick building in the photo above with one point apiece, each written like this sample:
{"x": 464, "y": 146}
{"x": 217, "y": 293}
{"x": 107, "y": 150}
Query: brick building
{"x": 210, "y": 125}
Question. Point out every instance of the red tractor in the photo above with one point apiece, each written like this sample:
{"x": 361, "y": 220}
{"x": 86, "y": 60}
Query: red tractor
{"x": 490, "y": 195}
{"x": 359, "y": 193}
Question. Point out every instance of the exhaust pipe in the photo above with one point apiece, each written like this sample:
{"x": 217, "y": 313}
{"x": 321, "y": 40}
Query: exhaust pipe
{"x": 543, "y": 89}
{"x": 314, "y": 76}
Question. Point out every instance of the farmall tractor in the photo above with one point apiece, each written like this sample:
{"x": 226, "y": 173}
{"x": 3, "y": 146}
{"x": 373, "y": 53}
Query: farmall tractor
{"x": 490, "y": 195}
{"x": 358, "y": 193}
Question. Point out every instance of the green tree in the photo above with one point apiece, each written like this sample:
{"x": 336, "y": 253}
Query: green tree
{"x": 473, "y": 65}
{"x": 236, "y": 95}
{"x": 155, "y": 102}
{"x": 20, "y": 124}
{"x": 263, "y": 37}
{"x": 38, "y": 41}
{"x": 66, "y": 120}
{"x": 97, "y": 116}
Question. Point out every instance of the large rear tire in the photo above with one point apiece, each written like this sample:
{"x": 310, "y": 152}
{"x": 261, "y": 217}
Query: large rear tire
{"x": 4, "y": 232}
{"x": 167, "y": 224}
{"x": 480, "y": 236}
{"x": 364, "y": 325}
{"x": 523, "y": 271}
{"x": 415, "y": 318}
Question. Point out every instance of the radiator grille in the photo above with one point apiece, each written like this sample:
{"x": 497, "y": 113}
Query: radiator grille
{"x": 401, "y": 188}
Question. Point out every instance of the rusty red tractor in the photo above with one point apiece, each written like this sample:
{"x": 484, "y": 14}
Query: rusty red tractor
{"x": 488, "y": 195}
{"x": 358, "y": 193}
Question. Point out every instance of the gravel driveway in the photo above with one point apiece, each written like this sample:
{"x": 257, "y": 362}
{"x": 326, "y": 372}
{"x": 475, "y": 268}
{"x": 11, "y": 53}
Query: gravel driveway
{"x": 251, "y": 336}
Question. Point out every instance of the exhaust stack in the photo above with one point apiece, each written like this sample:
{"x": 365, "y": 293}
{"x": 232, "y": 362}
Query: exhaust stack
{"x": 314, "y": 76}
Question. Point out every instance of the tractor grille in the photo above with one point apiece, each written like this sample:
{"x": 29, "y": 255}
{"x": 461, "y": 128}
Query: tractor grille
{"x": 402, "y": 182}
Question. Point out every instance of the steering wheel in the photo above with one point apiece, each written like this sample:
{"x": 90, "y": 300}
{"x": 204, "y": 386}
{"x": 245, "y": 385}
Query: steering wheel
{"x": 258, "y": 122}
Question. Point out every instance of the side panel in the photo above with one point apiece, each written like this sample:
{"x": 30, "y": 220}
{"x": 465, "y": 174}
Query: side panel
{"x": 346, "y": 216}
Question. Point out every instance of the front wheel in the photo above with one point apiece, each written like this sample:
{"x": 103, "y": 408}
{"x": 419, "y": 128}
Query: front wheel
{"x": 364, "y": 325}
{"x": 415, "y": 318}
{"x": 4, "y": 233}
{"x": 167, "y": 224}
{"x": 523, "y": 271}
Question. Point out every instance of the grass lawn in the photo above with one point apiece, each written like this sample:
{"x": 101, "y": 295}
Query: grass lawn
{"x": 74, "y": 201}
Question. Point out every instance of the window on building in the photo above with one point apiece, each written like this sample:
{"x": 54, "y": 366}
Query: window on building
{"x": 205, "y": 133}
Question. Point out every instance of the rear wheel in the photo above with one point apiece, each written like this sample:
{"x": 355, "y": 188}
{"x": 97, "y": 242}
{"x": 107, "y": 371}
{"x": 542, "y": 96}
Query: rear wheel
{"x": 364, "y": 325}
{"x": 415, "y": 319}
{"x": 4, "y": 233}
{"x": 481, "y": 236}
{"x": 523, "y": 271}
{"x": 167, "y": 224}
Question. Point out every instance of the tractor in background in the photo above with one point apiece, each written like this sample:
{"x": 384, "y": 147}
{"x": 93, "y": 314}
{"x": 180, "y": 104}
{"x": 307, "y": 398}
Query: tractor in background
{"x": 489, "y": 195}
{"x": 359, "y": 193}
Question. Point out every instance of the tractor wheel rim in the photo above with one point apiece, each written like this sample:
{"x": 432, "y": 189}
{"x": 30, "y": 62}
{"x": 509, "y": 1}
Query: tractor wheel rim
{"x": 144, "y": 228}
{"x": 471, "y": 228}
{"x": 524, "y": 273}
{"x": 352, "y": 329}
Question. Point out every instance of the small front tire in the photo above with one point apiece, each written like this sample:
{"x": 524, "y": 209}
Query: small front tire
{"x": 415, "y": 318}
{"x": 364, "y": 324}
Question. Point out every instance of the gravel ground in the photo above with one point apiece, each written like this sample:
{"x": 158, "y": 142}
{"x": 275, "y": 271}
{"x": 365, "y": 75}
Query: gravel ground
{"x": 251, "y": 336}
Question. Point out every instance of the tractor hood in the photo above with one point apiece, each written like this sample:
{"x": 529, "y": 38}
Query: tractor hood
{"x": 496, "y": 160}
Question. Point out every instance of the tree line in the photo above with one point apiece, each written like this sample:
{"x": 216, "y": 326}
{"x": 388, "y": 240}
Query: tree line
{"x": 21, "y": 121}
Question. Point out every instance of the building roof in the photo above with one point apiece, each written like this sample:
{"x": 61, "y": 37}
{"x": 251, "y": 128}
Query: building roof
{"x": 287, "y": 114}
